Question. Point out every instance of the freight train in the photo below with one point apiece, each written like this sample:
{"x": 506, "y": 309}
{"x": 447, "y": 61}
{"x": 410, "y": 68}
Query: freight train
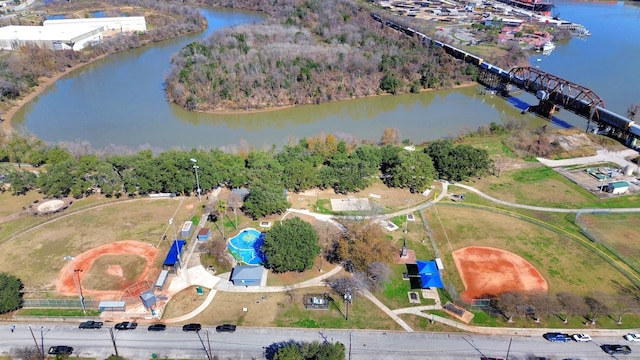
{"x": 606, "y": 117}
{"x": 427, "y": 41}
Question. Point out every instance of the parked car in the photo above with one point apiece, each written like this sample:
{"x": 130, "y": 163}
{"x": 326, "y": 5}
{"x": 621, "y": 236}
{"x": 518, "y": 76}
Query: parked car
{"x": 192, "y": 327}
{"x": 60, "y": 350}
{"x": 226, "y": 328}
{"x": 157, "y": 327}
{"x": 555, "y": 337}
{"x": 632, "y": 337}
{"x": 90, "y": 325}
{"x": 490, "y": 358}
{"x": 127, "y": 325}
{"x": 581, "y": 337}
{"x": 616, "y": 349}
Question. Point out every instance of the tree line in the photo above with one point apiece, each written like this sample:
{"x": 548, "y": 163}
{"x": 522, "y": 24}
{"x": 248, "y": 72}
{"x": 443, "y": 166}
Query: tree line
{"x": 319, "y": 162}
{"x": 305, "y": 52}
{"x": 588, "y": 309}
{"x": 22, "y": 70}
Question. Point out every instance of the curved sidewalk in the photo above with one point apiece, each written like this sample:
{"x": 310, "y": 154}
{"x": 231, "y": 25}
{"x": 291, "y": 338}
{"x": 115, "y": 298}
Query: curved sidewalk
{"x": 545, "y": 209}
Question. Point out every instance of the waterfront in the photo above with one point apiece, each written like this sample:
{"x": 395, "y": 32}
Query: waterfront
{"x": 119, "y": 101}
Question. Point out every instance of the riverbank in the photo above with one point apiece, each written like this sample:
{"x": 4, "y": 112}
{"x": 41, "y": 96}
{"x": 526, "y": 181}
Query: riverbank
{"x": 43, "y": 83}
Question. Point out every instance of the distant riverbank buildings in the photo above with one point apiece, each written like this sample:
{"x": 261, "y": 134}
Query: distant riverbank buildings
{"x": 68, "y": 34}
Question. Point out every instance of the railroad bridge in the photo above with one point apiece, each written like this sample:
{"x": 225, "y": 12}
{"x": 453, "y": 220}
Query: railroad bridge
{"x": 553, "y": 92}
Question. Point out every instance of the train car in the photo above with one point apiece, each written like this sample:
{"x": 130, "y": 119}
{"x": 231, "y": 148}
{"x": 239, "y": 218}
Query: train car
{"x": 615, "y": 120}
{"x": 473, "y": 59}
{"x": 376, "y": 17}
{"x": 635, "y": 129}
{"x": 409, "y": 31}
{"x": 486, "y": 65}
{"x": 437, "y": 43}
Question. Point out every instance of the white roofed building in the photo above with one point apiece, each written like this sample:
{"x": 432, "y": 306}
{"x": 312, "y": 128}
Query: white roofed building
{"x": 74, "y": 37}
{"x": 121, "y": 24}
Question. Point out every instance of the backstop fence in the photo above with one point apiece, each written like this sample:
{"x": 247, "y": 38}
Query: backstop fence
{"x": 59, "y": 303}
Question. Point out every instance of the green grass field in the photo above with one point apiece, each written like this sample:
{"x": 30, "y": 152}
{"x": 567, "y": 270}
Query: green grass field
{"x": 42, "y": 248}
{"x": 619, "y": 232}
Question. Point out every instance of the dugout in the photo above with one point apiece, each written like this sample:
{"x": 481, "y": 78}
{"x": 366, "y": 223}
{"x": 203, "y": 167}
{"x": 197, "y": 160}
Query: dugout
{"x": 112, "y": 306}
{"x": 162, "y": 279}
{"x": 173, "y": 260}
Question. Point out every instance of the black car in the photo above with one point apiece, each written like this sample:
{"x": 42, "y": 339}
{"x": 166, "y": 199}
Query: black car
{"x": 192, "y": 327}
{"x": 157, "y": 327}
{"x": 616, "y": 349}
{"x": 127, "y": 325}
{"x": 90, "y": 325}
{"x": 226, "y": 328}
{"x": 60, "y": 350}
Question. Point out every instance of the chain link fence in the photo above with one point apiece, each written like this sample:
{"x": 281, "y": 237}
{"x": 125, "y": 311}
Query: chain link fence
{"x": 59, "y": 303}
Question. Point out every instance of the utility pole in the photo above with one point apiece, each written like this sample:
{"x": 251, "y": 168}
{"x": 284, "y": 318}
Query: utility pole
{"x": 509, "y": 349}
{"x": 209, "y": 343}
{"x": 76, "y": 272}
{"x": 113, "y": 340}
{"x": 347, "y": 300}
{"x": 203, "y": 346}
{"x": 40, "y": 350}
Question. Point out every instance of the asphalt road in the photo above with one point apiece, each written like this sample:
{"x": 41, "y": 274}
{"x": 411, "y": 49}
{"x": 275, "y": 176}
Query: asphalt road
{"x": 248, "y": 343}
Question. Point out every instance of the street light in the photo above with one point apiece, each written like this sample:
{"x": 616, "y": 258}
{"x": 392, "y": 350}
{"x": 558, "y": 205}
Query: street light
{"x": 196, "y": 167}
{"x": 42, "y": 333}
{"x": 347, "y": 300}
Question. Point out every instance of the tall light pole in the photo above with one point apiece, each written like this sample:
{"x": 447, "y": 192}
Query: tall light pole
{"x": 42, "y": 332}
{"x": 76, "y": 272}
{"x": 76, "y": 281}
{"x": 196, "y": 167}
{"x": 347, "y": 300}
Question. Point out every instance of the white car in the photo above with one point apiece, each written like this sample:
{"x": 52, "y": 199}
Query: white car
{"x": 632, "y": 337}
{"x": 581, "y": 337}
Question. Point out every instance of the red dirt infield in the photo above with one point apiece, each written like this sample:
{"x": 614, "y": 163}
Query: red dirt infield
{"x": 65, "y": 283}
{"x": 490, "y": 271}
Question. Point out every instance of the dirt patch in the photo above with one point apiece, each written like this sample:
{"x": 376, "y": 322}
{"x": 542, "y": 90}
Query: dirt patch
{"x": 66, "y": 284}
{"x": 489, "y": 271}
{"x": 115, "y": 270}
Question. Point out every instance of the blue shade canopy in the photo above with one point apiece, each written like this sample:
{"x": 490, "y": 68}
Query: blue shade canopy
{"x": 172, "y": 256}
{"x": 429, "y": 274}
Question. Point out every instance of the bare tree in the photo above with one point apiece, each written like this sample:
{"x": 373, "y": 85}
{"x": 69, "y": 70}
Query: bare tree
{"x": 622, "y": 304}
{"x": 510, "y": 304}
{"x": 235, "y": 201}
{"x": 633, "y": 112}
{"x": 26, "y": 353}
{"x": 570, "y": 304}
{"x": 540, "y": 304}
{"x": 500, "y": 164}
{"x": 377, "y": 274}
{"x": 344, "y": 284}
{"x": 597, "y": 306}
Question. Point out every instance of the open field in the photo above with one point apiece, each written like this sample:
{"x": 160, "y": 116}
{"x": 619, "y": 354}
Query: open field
{"x": 619, "y": 232}
{"x": 287, "y": 309}
{"x": 566, "y": 265}
{"x": 43, "y": 248}
{"x": 542, "y": 186}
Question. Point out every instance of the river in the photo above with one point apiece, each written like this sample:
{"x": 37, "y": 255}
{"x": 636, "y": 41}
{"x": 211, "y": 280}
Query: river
{"x": 119, "y": 101}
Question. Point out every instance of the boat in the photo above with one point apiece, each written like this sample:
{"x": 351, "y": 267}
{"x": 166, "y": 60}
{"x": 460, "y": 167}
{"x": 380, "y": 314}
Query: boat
{"x": 548, "y": 46}
{"x": 540, "y": 6}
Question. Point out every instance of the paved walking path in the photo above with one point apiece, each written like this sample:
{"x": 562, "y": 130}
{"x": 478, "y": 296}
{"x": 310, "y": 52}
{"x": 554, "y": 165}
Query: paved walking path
{"x": 200, "y": 276}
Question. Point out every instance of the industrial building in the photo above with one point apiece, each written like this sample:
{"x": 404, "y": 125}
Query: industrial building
{"x": 121, "y": 24}
{"x": 67, "y": 34}
{"x": 55, "y": 38}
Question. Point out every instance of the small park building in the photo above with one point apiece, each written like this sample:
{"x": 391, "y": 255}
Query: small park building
{"x": 618, "y": 187}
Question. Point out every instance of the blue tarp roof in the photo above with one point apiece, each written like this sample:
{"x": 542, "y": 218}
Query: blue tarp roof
{"x": 429, "y": 274}
{"x": 172, "y": 256}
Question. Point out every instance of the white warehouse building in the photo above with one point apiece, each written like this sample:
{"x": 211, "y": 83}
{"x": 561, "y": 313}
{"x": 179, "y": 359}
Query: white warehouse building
{"x": 67, "y": 34}
{"x": 56, "y": 38}
{"x": 122, "y": 24}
